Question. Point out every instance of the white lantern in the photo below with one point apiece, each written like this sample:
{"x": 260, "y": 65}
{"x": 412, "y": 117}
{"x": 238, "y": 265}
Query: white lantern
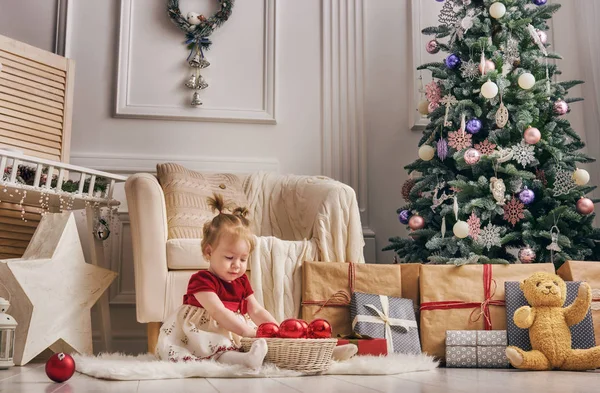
{"x": 8, "y": 326}
{"x": 526, "y": 81}
{"x": 489, "y": 89}
{"x": 461, "y": 229}
{"x": 426, "y": 153}
{"x": 497, "y": 10}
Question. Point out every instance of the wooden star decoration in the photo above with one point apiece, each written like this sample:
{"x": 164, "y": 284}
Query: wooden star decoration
{"x": 53, "y": 290}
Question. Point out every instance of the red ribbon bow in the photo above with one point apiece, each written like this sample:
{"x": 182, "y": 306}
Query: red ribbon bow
{"x": 483, "y": 307}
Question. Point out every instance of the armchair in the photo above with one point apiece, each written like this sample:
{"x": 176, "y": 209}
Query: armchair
{"x": 295, "y": 218}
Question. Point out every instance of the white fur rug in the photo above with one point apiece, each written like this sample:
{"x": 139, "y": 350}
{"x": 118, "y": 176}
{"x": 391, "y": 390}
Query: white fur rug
{"x": 126, "y": 367}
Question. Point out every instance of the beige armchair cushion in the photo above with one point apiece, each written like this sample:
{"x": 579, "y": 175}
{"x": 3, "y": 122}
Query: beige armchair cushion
{"x": 186, "y": 194}
{"x": 185, "y": 254}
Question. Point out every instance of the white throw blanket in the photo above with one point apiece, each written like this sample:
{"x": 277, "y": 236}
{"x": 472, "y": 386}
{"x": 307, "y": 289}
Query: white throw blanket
{"x": 298, "y": 218}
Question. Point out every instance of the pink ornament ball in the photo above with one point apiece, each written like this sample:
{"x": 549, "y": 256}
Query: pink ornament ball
{"x": 532, "y": 135}
{"x": 472, "y": 156}
{"x": 416, "y": 222}
{"x": 561, "y": 107}
{"x": 432, "y": 47}
{"x": 585, "y": 206}
{"x": 489, "y": 66}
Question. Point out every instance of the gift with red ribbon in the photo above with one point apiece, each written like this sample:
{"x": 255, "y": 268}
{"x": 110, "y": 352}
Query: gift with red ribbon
{"x": 366, "y": 345}
{"x": 469, "y": 297}
{"x": 327, "y": 288}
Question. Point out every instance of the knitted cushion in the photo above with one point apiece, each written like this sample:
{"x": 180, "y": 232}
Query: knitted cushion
{"x": 186, "y": 194}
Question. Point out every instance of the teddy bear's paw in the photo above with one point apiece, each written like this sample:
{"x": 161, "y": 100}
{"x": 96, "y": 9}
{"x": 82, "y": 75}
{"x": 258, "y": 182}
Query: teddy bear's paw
{"x": 516, "y": 359}
{"x": 584, "y": 289}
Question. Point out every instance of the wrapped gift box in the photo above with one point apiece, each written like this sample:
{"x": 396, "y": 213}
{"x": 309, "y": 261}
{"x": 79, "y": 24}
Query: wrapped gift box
{"x": 476, "y": 349}
{"x": 370, "y": 346}
{"x": 453, "y": 297}
{"x": 590, "y": 273}
{"x": 582, "y": 334}
{"x": 410, "y": 283}
{"x": 386, "y": 317}
{"x": 327, "y": 289}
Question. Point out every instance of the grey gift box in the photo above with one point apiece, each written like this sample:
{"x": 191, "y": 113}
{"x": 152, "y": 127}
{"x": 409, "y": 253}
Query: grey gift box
{"x": 476, "y": 348}
{"x": 404, "y": 340}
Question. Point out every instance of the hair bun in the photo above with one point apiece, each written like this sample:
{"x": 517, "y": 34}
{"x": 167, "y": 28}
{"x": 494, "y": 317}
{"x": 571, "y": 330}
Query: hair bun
{"x": 241, "y": 211}
{"x": 217, "y": 203}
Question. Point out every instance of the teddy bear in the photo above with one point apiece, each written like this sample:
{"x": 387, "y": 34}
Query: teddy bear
{"x": 548, "y": 323}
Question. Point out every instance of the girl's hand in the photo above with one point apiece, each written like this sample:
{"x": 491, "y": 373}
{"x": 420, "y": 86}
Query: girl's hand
{"x": 250, "y": 333}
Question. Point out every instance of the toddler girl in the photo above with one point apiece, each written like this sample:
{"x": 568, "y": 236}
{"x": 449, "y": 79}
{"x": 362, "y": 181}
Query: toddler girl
{"x": 219, "y": 307}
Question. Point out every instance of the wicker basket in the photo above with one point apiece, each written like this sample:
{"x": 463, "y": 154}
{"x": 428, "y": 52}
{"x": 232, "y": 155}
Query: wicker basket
{"x": 306, "y": 355}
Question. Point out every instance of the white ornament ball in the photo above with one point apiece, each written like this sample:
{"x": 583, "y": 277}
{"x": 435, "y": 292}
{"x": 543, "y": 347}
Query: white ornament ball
{"x": 489, "y": 89}
{"x": 497, "y": 10}
{"x": 461, "y": 229}
{"x": 192, "y": 18}
{"x": 526, "y": 81}
{"x": 424, "y": 107}
{"x": 581, "y": 177}
{"x": 426, "y": 153}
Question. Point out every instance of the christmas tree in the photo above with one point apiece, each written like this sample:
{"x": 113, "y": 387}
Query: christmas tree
{"x": 497, "y": 177}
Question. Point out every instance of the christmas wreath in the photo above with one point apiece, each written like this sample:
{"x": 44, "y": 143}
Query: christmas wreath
{"x": 197, "y": 27}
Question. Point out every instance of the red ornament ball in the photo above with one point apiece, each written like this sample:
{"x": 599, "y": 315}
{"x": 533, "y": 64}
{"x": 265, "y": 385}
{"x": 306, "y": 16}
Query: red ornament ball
{"x": 267, "y": 330}
{"x": 319, "y": 328}
{"x": 585, "y": 206}
{"x": 292, "y": 328}
{"x": 60, "y": 367}
{"x": 416, "y": 222}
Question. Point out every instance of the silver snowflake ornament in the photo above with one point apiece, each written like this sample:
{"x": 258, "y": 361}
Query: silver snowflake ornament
{"x": 524, "y": 153}
{"x": 469, "y": 70}
{"x": 490, "y": 236}
{"x": 563, "y": 183}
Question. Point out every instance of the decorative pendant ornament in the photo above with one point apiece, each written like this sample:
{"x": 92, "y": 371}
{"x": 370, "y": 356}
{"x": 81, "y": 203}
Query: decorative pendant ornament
{"x": 535, "y": 36}
{"x": 426, "y": 153}
{"x": 526, "y": 255}
{"x": 474, "y": 126}
{"x": 563, "y": 182}
{"x": 443, "y": 229}
{"x": 404, "y": 216}
{"x": 469, "y": 70}
{"x": 524, "y": 153}
{"x": 488, "y": 66}
{"x": 442, "y": 149}
{"x": 482, "y": 61}
{"x": 101, "y": 230}
{"x": 486, "y": 148}
{"x": 516, "y": 185}
{"x": 514, "y": 211}
{"x": 489, "y": 89}
{"x": 434, "y": 198}
{"x": 542, "y": 35}
{"x": 416, "y": 222}
{"x": 490, "y": 236}
{"x": 502, "y": 115}
{"x": 561, "y": 107}
{"x": 539, "y": 2}
{"x": 461, "y": 229}
{"x": 497, "y": 10}
{"x": 433, "y": 92}
{"x": 432, "y": 47}
{"x": 474, "y": 226}
{"x": 448, "y": 101}
{"x": 459, "y": 140}
{"x": 532, "y": 135}
{"x": 455, "y": 208}
{"x": 527, "y": 196}
{"x": 197, "y": 29}
{"x": 432, "y": 107}
{"x": 581, "y": 177}
{"x": 553, "y": 246}
{"x": 448, "y": 15}
{"x": 526, "y": 81}
{"x": 585, "y": 206}
{"x": 540, "y": 175}
{"x": 472, "y": 156}
{"x": 511, "y": 54}
{"x": 498, "y": 189}
{"x": 504, "y": 155}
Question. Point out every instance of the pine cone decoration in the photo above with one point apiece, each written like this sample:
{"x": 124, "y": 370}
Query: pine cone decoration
{"x": 406, "y": 188}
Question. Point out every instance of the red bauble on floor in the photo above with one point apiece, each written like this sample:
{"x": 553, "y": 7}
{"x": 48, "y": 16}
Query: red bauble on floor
{"x": 60, "y": 367}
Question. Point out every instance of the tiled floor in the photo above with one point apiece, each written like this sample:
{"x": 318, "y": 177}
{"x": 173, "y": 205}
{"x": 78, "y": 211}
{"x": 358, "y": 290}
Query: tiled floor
{"x": 32, "y": 379}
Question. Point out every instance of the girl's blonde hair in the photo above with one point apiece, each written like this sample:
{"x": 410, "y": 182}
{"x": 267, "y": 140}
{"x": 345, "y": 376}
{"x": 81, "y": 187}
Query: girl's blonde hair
{"x": 234, "y": 223}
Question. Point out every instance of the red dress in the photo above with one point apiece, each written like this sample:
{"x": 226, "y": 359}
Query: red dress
{"x": 190, "y": 333}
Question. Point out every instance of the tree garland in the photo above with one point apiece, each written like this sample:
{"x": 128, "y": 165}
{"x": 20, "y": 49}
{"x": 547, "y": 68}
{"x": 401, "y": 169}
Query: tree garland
{"x": 197, "y": 29}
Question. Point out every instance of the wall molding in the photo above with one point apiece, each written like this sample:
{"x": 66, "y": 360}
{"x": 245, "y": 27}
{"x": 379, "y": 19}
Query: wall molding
{"x": 344, "y": 139}
{"x": 124, "y": 108}
{"x": 134, "y": 163}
